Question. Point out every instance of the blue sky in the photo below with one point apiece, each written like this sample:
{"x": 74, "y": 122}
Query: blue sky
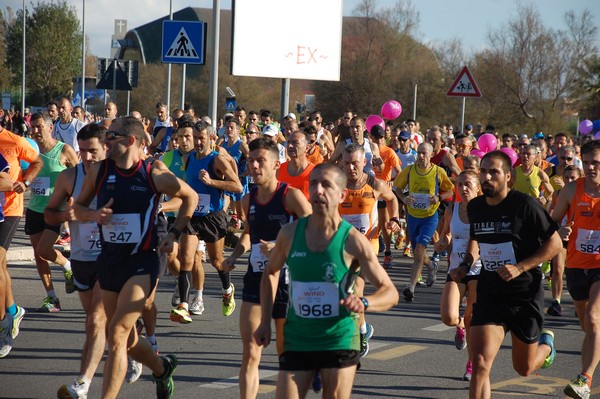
{"x": 469, "y": 20}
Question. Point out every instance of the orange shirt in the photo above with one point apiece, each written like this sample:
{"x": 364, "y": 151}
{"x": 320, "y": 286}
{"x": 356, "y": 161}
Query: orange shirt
{"x": 360, "y": 210}
{"x": 316, "y": 157}
{"x": 390, "y": 160}
{"x": 15, "y": 148}
{"x": 300, "y": 182}
{"x": 583, "y": 249}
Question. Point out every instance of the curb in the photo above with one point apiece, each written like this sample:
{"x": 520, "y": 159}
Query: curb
{"x": 26, "y": 253}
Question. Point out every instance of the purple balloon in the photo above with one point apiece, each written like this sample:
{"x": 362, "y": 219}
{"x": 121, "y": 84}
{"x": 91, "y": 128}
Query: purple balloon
{"x": 487, "y": 142}
{"x": 597, "y": 136}
{"x": 586, "y": 126}
{"x": 391, "y": 110}
{"x": 478, "y": 153}
{"x": 596, "y": 125}
{"x": 373, "y": 120}
{"x": 511, "y": 154}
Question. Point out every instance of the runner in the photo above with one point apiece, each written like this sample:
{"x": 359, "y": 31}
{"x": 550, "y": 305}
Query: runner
{"x": 324, "y": 254}
{"x": 357, "y": 136}
{"x": 6, "y": 319}
{"x": 456, "y": 233}
{"x": 129, "y": 188}
{"x": 580, "y": 202}
{"x": 269, "y": 206}
{"x": 514, "y": 235}
{"x": 296, "y": 171}
{"x": 85, "y": 248}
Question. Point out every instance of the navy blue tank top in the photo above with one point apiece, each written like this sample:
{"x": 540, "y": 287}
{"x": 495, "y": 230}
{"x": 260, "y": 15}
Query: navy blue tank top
{"x": 238, "y": 155}
{"x": 210, "y": 199}
{"x": 132, "y": 229}
{"x": 265, "y": 221}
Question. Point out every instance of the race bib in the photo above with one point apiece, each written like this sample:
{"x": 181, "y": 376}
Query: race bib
{"x": 258, "y": 260}
{"x": 89, "y": 236}
{"x": 124, "y": 228}
{"x": 41, "y": 186}
{"x": 459, "y": 249}
{"x": 421, "y": 201}
{"x": 494, "y": 256}
{"x": 315, "y": 300}
{"x": 588, "y": 241}
{"x": 360, "y": 222}
{"x": 203, "y": 206}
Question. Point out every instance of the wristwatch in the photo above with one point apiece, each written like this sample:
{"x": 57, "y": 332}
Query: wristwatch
{"x": 27, "y": 183}
{"x": 365, "y": 302}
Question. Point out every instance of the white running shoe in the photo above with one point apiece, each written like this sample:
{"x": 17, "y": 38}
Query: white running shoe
{"x": 77, "y": 390}
{"x": 197, "y": 307}
{"x": 134, "y": 370}
{"x": 6, "y": 340}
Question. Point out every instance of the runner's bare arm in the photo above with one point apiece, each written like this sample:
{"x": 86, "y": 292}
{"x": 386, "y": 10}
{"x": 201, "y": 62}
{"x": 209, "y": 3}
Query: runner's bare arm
{"x": 297, "y": 203}
{"x": 243, "y": 243}
{"x": 232, "y": 180}
{"x": 358, "y": 248}
{"x": 81, "y": 207}
{"x": 69, "y": 156}
{"x": 53, "y": 215}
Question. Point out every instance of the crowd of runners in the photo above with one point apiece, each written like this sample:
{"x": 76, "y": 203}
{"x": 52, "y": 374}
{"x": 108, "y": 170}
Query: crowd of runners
{"x": 314, "y": 203}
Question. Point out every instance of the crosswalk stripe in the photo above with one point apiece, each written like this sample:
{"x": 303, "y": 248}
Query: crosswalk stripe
{"x": 235, "y": 381}
{"x": 397, "y": 351}
{"x": 439, "y": 327}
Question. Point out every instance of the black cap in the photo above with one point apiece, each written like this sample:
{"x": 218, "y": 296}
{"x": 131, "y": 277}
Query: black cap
{"x": 377, "y": 131}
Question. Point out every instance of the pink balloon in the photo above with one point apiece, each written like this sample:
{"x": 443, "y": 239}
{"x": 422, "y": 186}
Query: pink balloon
{"x": 511, "y": 154}
{"x": 391, "y": 110}
{"x": 478, "y": 153}
{"x": 586, "y": 126}
{"x": 487, "y": 142}
{"x": 373, "y": 120}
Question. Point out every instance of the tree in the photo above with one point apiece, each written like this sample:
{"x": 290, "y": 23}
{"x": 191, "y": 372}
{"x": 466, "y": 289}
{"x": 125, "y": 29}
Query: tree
{"x": 53, "y": 50}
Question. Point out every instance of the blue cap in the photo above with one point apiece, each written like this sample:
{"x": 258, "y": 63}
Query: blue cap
{"x": 469, "y": 127}
{"x": 404, "y": 135}
{"x": 538, "y": 135}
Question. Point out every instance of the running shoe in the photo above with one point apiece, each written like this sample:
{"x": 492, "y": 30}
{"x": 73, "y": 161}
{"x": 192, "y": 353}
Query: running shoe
{"x": 63, "y": 240}
{"x": 69, "y": 282}
{"x": 460, "y": 338}
{"x": 387, "y": 261}
{"x": 444, "y": 254}
{"x": 408, "y": 252}
{"x": 50, "y": 305}
{"x": 317, "y": 384}
{"x": 164, "y": 384}
{"x": 17, "y": 318}
{"x": 547, "y": 338}
{"x": 77, "y": 390}
{"x": 432, "y": 273}
{"x": 197, "y": 306}
{"x": 468, "y": 371}
{"x": 555, "y": 309}
{"x": 180, "y": 315}
{"x": 134, "y": 370}
{"x": 364, "y": 340}
{"x": 228, "y": 302}
{"x": 6, "y": 341}
{"x": 409, "y": 294}
{"x": 436, "y": 256}
{"x": 175, "y": 300}
{"x": 420, "y": 281}
{"x": 546, "y": 267}
{"x": 578, "y": 388}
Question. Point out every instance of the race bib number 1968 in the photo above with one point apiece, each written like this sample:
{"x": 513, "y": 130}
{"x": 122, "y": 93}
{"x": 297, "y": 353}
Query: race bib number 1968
{"x": 315, "y": 300}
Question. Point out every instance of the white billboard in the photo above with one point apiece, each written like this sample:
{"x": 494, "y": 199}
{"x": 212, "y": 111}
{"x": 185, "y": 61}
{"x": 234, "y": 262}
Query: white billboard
{"x": 287, "y": 39}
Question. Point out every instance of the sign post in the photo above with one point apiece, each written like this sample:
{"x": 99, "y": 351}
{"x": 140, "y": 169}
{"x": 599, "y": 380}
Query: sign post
{"x": 464, "y": 86}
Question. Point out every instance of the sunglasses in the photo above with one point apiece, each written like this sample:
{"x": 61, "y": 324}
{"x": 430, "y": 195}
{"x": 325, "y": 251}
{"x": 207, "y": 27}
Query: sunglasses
{"x": 566, "y": 158}
{"x": 252, "y": 132}
{"x": 112, "y": 135}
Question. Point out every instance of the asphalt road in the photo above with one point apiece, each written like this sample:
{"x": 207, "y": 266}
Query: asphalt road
{"x": 412, "y": 354}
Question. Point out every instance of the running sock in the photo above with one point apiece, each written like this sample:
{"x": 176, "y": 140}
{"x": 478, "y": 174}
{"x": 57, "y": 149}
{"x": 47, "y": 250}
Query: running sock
{"x": 67, "y": 266}
{"x": 225, "y": 281}
{"x": 363, "y": 328}
{"x": 12, "y": 309}
{"x": 588, "y": 377}
{"x": 185, "y": 283}
{"x": 557, "y": 300}
{"x": 86, "y": 381}
{"x": 52, "y": 294}
{"x": 199, "y": 294}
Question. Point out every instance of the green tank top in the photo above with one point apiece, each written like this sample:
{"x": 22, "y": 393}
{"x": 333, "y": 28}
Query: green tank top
{"x": 43, "y": 185}
{"x": 173, "y": 160}
{"x": 318, "y": 281}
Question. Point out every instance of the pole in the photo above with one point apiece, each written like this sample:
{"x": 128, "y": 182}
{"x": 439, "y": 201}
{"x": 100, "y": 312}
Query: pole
{"x": 83, "y": 59}
{"x": 214, "y": 76}
{"x": 114, "y": 91}
{"x": 415, "y": 104}
{"x": 285, "y": 97}
{"x": 169, "y": 67}
{"x": 23, "y": 70}
{"x": 462, "y": 119}
{"x": 128, "y": 100}
{"x": 183, "y": 69}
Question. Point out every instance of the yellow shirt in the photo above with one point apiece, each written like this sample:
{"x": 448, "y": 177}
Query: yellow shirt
{"x": 421, "y": 185}
{"x": 528, "y": 184}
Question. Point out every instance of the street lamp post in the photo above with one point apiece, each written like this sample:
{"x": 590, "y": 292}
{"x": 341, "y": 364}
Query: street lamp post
{"x": 83, "y": 59}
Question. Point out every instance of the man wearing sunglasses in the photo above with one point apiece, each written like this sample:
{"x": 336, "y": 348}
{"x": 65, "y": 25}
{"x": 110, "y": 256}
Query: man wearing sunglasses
{"x": 127, "y": 190}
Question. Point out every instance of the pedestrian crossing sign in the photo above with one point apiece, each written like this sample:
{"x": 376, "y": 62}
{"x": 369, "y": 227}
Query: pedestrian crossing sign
{"x": 183, "y": 42}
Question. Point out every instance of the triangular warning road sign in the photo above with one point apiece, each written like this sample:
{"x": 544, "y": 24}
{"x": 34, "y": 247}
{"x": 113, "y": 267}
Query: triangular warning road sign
{"x": 182, "y": 46}
{"x": 464, "y": 85}
{"x": 121, "y": 81}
